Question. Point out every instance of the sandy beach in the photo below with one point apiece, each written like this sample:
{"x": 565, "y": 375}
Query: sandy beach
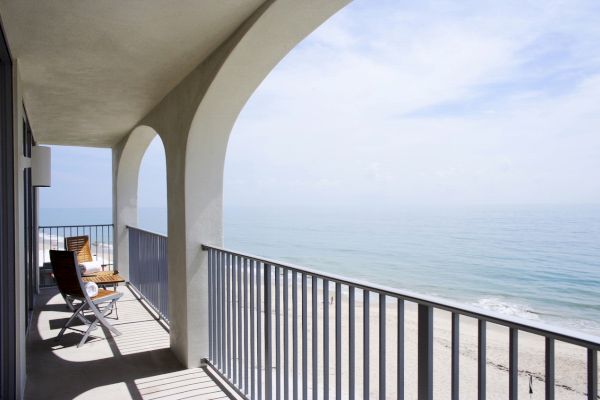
{"x": 570, "y": 366}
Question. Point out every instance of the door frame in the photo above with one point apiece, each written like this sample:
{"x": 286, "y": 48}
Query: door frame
{"x": 8, "y": 315}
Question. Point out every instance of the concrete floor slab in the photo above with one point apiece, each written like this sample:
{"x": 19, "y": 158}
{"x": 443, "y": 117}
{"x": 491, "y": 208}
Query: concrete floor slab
{"x": 136, "y": 365}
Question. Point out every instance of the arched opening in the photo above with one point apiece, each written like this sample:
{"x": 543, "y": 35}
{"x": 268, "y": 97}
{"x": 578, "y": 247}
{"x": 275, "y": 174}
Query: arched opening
{"x": 446, "y": 150}
{"x": 128, "y": 157}
{"x": 221, "y": 86}
{"x": 152, "y": 189}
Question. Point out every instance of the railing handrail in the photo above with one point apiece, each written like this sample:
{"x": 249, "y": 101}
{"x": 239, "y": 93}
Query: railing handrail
{"x": 72, "y": 226}
{"x": 146, "y": 231}
{"x": 562, "y": 334}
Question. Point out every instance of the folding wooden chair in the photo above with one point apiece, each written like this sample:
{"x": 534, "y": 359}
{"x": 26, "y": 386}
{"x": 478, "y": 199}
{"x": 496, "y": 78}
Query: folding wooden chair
{"x": 81, "y": 246}
{"x": 68, "y": 279}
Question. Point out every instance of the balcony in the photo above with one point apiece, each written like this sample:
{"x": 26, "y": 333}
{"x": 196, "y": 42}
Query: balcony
{"x": 280, "y": 331}
{"x": 136, "y": 365}
{"x": 202, "y": 321}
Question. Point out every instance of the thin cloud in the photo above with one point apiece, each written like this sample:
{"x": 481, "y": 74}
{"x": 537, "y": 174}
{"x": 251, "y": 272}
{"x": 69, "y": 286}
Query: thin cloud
{"x": 433, "y": 101}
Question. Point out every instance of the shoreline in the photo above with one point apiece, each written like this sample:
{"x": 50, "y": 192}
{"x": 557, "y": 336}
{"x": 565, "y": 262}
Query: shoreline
{"x": 570, "y": 360}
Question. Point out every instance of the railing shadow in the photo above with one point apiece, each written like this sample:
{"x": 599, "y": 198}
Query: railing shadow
{"x": 137, "y": 365}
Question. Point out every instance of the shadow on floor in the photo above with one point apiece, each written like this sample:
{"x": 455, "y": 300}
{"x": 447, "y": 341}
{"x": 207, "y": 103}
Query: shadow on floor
{"x": 136, "y": 365}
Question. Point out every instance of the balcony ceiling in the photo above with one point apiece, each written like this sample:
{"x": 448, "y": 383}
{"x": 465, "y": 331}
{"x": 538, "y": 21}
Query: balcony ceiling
{"x": 91, "y": 70}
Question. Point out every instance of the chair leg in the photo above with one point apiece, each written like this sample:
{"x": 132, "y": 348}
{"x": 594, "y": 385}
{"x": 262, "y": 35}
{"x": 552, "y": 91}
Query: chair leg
{"x": 113, "y": 305}
{"x": 75, "y": 314}
{"x": 87, "y": 333}
{"x": 101, "y": 318}
{"x": 71, "y": 306}
{"x": 83, "y": 319}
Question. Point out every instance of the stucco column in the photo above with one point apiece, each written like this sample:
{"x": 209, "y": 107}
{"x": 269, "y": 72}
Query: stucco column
{"x": 127, "y": 158}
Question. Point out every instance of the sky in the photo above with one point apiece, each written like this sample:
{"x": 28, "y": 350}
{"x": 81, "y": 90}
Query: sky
{"x": 400, "y": 102}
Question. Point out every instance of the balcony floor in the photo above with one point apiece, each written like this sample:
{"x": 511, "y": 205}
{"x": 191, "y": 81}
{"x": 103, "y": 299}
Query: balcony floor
{"x": 136, "y": 365}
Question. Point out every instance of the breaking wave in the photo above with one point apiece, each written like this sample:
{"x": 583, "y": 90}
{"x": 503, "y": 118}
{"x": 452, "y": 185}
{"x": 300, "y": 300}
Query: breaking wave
{"x": 507, "y": 308}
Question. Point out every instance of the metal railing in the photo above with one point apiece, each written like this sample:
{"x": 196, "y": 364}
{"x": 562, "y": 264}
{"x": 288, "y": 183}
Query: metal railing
{"x": 148, "y": 268}
{"x": 53, "y": 238}
{"x": 266, "y": 330}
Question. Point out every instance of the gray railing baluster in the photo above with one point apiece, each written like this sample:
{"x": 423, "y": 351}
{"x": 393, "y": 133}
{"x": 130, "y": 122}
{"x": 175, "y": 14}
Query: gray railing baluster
{"x": 252, "y": 312}
{"x": 148, "y": 270}
{"x": 242, "y": 313}
{"x": 228, "y": 292}
{"x": 111, "y": 253}
{"x": 259, "y": 329}
{"x": 549, "y": 361}
{"x": 211, "y": 336}
{"x": 295, "y": 335}
{"x": 237, "y": 313}
{"x": 286, "y": 370}
{"x": 304, "y": 340}
{"x": 214, "y": 305}
{"x": 325, "y": 339}
{"x": 351, "y": 343}
{"x": 425, "y": 355}
{"x": 513, "y": 364}
{"x": 592, "y": 374}
{"x": 244, "y": 308}
{"x": 240, "y": 285}
{"x": 268, "y": 333}
{"x": 382, "y": 367}
{"x": 219, "y": 310}
{"x": 481, "y": 359}
{"x": 277, "y": 336}
{"x": 234, "y": 322}
{"x": 230, "y": 305}
{"x": 366, "y": 342}
{"x": 400, "y": 352}
{"x": 338, "y": 341}
{"x": 223, "y": 311}
{"x": 455, "y": 356}
{"x": 315, "y": 339}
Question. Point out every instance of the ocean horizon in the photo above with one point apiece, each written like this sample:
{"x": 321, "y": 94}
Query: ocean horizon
{"x": 539, "y": 263}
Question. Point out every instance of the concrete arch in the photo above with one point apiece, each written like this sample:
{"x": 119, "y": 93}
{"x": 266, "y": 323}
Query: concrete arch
{"x": 127, "y": 159}
{"x": 255, "y": 49}
{"x": 194, "y": 121}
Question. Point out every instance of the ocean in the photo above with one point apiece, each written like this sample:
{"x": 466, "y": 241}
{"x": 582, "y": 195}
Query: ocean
{"x": 534, "y": 262}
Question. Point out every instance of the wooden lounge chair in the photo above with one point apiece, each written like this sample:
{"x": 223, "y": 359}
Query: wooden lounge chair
{"x": 68, "y": 279}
